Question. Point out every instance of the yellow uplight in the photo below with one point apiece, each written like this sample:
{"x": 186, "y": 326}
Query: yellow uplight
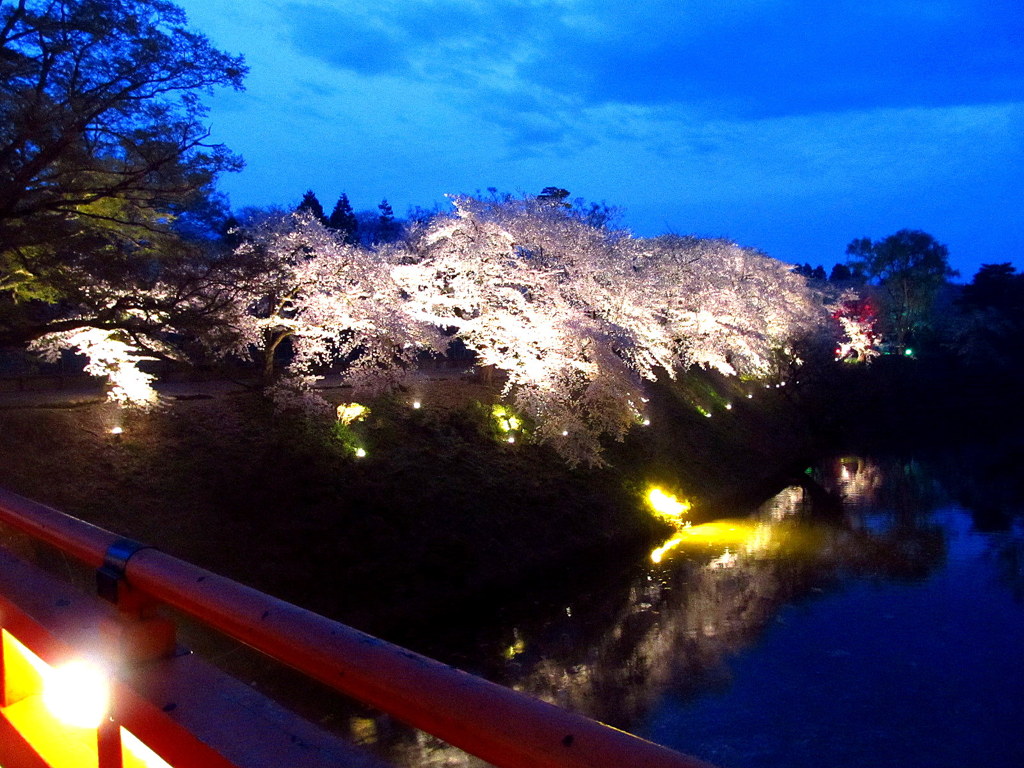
{"x": 77, "y": 694}
{"x": 506, "y": 419}
{"x": 349, "y": 412}
{"x": 666, "y": 506}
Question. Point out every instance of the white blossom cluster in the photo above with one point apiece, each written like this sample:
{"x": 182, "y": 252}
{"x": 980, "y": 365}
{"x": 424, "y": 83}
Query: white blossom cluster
{"x": 577, "y": 316}
{"x": 334, "y": 302}
{"x": 108, "y": 355}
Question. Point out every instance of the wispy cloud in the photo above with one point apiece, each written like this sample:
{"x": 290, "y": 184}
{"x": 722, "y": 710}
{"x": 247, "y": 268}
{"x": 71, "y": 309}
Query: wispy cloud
{"x": 748, "y": 59}
{"x": 773, "y": 121}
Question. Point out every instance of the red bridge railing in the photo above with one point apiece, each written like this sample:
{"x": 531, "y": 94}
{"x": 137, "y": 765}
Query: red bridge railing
{"x": 506, "y": 728}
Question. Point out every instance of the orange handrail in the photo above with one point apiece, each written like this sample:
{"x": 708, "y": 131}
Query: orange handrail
{"x": 504, "y": 727}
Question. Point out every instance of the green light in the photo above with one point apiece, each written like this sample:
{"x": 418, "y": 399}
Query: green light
{"x": 908, "y": 352}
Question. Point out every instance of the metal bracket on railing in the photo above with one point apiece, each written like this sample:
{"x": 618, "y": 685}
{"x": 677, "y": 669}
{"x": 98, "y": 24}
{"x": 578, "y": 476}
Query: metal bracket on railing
{"x": 110, "y": 576}
{"x": 139, "y": 632}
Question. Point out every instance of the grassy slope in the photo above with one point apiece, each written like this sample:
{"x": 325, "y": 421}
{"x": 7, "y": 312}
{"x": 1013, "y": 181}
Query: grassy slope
{"x": 438, "y": 509}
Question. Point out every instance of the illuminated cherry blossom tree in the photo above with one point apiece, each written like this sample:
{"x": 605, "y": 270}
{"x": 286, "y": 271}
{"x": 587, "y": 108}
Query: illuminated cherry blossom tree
{"x": 110, "y": 355}
{"x": 577, "y": 316}
{"x": 518, "y": 311}
{"x": 292, "y": 279}
{"x": 335, "y": 302}
{"x": 857, "y": 318}
{"x": 719, "y": 305}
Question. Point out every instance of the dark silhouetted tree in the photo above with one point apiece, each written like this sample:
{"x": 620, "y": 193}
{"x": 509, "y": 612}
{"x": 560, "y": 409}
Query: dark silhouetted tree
{"x": 343, "y": 220}
{"x": 911, "y": 266}
{"x": 995, "y": 286}
{"x": 991, "y": 333}
{"x": 811, "y": 273}
{"x": 387, "y": 227}
{"x": 555, "y": 195}
{"x": 311, "y": 205}
{"x": 840, "y": 273}
{"x": 102, "y": 140}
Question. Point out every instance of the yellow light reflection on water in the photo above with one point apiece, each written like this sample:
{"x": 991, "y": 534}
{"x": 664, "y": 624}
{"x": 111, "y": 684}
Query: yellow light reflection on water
{"x": 735, "y": 537}
{"x": 659, "y": 553}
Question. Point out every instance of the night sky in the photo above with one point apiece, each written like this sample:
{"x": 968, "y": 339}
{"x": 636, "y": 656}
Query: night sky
{"x": 790, "y": 126}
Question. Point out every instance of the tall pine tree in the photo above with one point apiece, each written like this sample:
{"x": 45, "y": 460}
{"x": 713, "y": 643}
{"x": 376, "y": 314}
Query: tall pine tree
{"x": 387, "y": 227}
{"x": 311, "y": 205}
{"x": 343, "y": 220}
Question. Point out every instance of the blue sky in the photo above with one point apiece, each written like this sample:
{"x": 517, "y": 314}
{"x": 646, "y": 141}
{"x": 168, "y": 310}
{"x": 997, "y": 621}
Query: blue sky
{"x": 787, "y": 125}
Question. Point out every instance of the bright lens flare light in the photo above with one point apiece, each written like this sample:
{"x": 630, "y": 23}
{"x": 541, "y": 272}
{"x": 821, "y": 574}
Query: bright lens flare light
{"x": 666, "y": 506}
{"x": 77, "y": 694}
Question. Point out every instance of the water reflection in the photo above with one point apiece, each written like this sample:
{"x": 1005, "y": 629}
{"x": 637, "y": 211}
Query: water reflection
{"x": 709, "y": 592}
{"x": 715, "y": 587}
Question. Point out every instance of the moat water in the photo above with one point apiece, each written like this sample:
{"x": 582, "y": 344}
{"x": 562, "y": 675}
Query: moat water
{"x": 878, "y": 623}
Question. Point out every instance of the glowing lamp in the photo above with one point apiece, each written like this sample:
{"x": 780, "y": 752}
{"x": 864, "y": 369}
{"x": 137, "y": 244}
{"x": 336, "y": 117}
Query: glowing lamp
{"x": 565, "y": 433}
{"x": 510, "y": 439}
{"x": 646, "y": 422}
{"x": 350, "y": 412}
{"x": 77, "y": 694}
{"x": 666, "y": 506}
{"x": 416, "y": 404}
{"x": 360, "y": 453}
{"x": 116, "y": 430}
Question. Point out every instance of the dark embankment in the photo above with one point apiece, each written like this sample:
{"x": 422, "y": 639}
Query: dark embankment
{"x": 438, "y": 511}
